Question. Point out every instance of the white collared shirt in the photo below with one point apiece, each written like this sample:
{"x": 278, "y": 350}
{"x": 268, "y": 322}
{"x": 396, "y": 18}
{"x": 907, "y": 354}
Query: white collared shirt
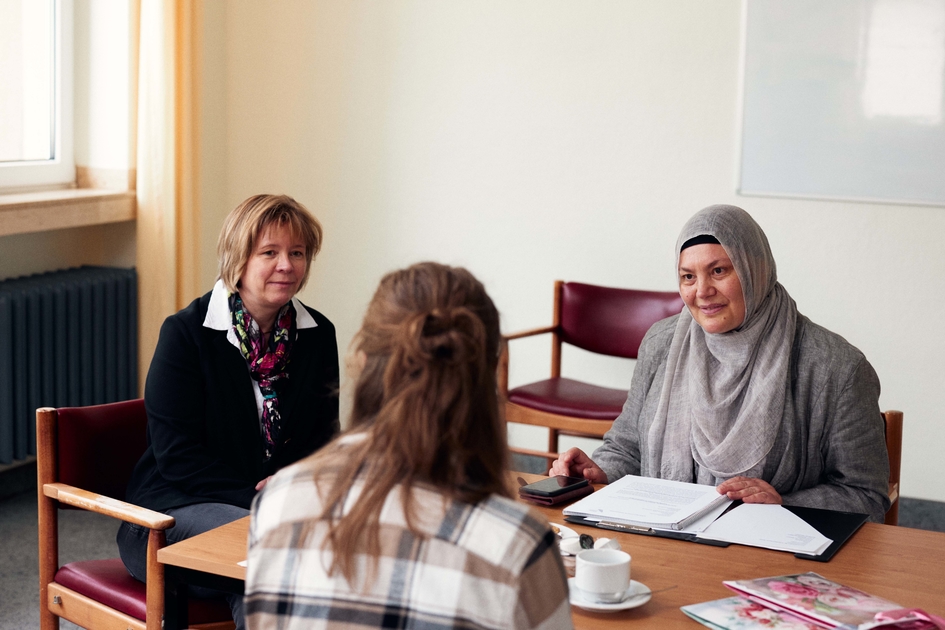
{"x": 219, "y": 318}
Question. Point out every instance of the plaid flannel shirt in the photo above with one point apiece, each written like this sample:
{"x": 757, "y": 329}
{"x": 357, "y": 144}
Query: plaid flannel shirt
{"x": 491, "y": 565}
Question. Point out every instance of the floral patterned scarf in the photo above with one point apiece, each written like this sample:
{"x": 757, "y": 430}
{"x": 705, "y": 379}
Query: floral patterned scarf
{"x": 267, "y": 363}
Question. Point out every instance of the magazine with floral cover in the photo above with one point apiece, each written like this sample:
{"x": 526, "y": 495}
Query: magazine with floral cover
{"x": 816, "y": 599}
{"x": 738, "y": 613}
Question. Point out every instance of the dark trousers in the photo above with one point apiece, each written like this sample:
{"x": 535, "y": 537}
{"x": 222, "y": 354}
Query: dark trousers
{"x": 190, "y": 521}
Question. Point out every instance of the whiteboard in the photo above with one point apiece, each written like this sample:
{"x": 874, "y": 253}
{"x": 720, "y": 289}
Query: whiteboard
{"x": 844, "y": 99}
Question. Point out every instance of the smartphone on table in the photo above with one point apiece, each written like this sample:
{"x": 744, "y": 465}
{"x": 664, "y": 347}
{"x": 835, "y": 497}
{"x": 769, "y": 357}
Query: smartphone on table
{"x": 555, "y": 490}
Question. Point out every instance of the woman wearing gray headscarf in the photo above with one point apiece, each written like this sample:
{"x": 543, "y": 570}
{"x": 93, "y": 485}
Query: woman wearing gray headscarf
{"x": 741, "y": 391}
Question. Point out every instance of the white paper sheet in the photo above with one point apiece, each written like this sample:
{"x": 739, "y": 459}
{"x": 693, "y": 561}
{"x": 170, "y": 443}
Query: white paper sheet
{"x": 767, "y": 526}
{"x": 657, "y": 503}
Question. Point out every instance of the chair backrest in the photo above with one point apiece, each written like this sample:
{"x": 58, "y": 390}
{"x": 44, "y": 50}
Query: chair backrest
{"x": 611, "y": 321}
{"x": 97, "y": 447}
{"x": 894, "y": 443}
{"x": 893, "y": 420}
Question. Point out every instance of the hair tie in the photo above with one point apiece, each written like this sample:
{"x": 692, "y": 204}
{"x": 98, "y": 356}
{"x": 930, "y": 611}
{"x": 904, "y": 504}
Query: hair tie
{"x": 443, "y": 335}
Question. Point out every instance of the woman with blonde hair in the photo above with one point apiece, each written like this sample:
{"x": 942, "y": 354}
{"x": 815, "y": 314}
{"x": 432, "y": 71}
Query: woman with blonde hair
{"x": 407, "y": 519}
{"x": 243, "y": 382}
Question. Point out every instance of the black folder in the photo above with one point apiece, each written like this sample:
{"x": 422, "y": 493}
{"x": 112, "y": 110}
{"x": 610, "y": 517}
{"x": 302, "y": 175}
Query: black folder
{"x": 837, "y": 526}
{"x": 645, "y": 531}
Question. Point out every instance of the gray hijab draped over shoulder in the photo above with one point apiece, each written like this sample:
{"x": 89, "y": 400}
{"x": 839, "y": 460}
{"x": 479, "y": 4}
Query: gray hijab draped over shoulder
{"x": 723, "y": 395}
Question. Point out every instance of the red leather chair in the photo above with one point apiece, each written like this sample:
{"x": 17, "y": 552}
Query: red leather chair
{"x": 84, "y": 459}
{"x": 598, "y": 319}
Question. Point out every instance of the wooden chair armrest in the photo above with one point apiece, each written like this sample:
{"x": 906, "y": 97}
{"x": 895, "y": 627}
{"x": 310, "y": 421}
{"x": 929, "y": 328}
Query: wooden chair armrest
{"x": 76, "y": 497}
{"x": 503, "y": 368}
{"x": 529, "y": 333}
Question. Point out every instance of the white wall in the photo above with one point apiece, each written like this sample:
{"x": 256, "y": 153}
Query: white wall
{"x": 111, "y": 244}
{"x": 547, "y": 139}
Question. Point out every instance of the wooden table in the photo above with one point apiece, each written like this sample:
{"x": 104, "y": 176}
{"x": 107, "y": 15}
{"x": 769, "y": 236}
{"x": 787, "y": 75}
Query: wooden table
{"x": 903, "y": 565}
{"x": 210, "y": 559}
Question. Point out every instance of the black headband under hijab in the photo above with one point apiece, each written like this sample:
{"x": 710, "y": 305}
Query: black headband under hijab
{"x": 702, "y": 239}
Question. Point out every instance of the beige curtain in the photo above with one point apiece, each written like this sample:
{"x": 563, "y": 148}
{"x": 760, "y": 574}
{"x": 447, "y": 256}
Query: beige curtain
{"x": 167, "y": 236}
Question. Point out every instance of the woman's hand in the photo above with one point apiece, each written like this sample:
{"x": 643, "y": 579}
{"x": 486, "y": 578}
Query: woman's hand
{"x": 575, "y": 463}
{"x": 262, "y": 484}
{"x": 749, "y": 490}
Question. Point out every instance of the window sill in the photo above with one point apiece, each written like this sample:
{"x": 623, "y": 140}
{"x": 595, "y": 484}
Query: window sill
{"x": 59, "y": 209}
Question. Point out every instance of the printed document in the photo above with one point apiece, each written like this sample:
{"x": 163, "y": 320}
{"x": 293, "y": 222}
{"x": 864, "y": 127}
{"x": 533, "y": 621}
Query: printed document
{"x": 652, "y": 503}
{"x": 767, "y": 526}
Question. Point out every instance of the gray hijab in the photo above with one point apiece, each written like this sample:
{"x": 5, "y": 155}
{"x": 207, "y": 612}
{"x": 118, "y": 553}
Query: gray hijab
{"x": 723, "y": 395}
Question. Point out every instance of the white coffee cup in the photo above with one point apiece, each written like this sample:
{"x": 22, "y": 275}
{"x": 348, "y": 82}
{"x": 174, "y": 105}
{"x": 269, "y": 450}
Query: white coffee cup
{"x": 602, "y": 575}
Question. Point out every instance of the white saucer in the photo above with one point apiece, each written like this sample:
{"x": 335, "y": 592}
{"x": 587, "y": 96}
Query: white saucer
{"x": 565, "y": 531}
{"x": 637, "y": 595}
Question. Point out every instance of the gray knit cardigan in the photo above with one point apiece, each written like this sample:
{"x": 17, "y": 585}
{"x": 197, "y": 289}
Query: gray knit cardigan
{"x": 830, "y": 451}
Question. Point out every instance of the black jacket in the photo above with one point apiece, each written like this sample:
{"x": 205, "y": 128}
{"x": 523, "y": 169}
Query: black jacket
{"x": 204, "y": 442}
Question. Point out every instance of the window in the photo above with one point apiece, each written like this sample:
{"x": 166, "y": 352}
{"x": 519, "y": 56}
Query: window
{"x": 36, "y": 93}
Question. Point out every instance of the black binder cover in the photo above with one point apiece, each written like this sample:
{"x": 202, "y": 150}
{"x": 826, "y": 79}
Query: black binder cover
{"x": 660, "y": 533}
{"x": 837, "y": 526}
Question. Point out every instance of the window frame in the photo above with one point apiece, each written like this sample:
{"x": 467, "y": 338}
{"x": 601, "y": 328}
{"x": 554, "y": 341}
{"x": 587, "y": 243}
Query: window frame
{"x": 58, "y": 172}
